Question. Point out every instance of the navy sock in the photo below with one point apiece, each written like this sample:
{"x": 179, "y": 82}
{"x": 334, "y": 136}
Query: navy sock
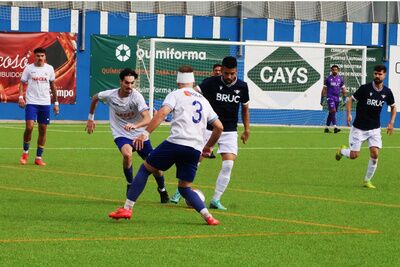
{"x": 26, "y": 146}
{"x": 39, "y": 151}
{"x": 138, "y": 184}
{"x": 128, "y": 174}
{"x": 160, "y": 181}
{"x": 192, "y": 197}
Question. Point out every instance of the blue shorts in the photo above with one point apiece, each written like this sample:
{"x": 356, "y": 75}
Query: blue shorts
{"x": 147, "y": 148}
{"x": 184, "y": 157}
{"x": 40, "y": 113}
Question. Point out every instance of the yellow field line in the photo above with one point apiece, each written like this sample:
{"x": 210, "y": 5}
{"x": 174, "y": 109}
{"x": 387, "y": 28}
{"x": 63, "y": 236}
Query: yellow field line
{"x": 176, "y": 237}
{"x": 380, "y": 204}
{"x": 216, "y": 212}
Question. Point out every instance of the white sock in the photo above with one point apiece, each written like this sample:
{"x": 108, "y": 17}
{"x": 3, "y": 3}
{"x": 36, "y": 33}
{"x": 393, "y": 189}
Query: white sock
{"x": 223, "y": 179}
{"x": 372, "y": 164}
{"x": 345, "y": 152}
{"x": 205, "y": 213}
{"x": 129, "y": 204}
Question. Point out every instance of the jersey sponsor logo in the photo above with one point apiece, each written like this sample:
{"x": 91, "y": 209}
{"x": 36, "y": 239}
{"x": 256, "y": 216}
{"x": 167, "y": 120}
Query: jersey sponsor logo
{"x": 39, "y": 79}
{"x": 236, "y": 91}
{"x": 375, "y": 102}
{"x": 220, "y": 87}
{"x": 383, "y": 96}
{"x": 126, "y": 116}
{"x": 227, "y": 98}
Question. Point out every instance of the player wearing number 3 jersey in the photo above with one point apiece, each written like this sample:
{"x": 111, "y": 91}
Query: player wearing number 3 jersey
{"x": 191, "y": 114}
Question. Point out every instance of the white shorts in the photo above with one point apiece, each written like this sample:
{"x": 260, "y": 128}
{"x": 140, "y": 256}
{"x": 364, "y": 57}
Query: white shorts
{"x": 227, "y": 143}
{"x": 357, "y": 137}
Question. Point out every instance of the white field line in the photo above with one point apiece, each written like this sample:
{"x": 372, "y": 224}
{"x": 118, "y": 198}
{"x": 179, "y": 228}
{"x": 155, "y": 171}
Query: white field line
{"x": 240, "y": 148}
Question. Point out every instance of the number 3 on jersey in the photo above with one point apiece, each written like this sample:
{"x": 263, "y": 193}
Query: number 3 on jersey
{"x": 198, "y": 115}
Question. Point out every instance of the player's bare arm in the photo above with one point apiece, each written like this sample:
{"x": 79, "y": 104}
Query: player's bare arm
{"x": 56, "y": 107}
{"x": 216, "y": 133}
{"x": 21, "y": 100}
{"x": 91, "y": 125}
{"x": 246, "y": 123}
{"x": 154, "y": 123}
{"x": 390, "y": 126}
{"x": 144, "y": 122}
{"x": 349, "y": 105}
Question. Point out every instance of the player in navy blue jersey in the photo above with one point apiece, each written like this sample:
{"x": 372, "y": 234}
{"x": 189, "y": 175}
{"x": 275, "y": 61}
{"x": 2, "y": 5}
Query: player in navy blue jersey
{"x": 370, "y": 99}
{"x": 333, "y": 85}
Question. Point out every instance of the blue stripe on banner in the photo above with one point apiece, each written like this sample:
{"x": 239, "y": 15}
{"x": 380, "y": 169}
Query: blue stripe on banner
{"x": 393, "y": 34}
{"x": 381, "y": 39}
{"x": 229, "y": 29}
{"x": 202, "y": 27}
{"x": 29, "y": 19}
{"x": 284, "y": 31}
{"x": 336, "y": 33}
{"x": 362, "y": 33}
{"x": 92, "y": 24}
{"x": 5, "y": 20}
{"x": 310, "y": 31}
{"x": 57, "y": 23}
{"x": 147, "y": 25}
{"x": 255, "y": 29}
{"x": 175, "y": 26}
{"x": 118, "y": 23}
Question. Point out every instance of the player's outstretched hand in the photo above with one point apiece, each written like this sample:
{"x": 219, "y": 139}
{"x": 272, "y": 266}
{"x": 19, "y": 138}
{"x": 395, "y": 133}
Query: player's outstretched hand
{"x": 129, "y": 126}
{"x": 90, "y": 126}
{"x": 245, "y": 136}
{"x": 389, "y": 129}
{"x": 206, "y": 151}
{"x": 139, "y": 141}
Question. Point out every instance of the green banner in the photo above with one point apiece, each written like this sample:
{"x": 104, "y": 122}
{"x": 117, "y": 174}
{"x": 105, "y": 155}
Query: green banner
{"x": 169, "y": 57}
{"x": 109, "y": 55}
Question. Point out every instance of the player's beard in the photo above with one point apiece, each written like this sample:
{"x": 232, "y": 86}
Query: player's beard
{"x": 378, "y": 81}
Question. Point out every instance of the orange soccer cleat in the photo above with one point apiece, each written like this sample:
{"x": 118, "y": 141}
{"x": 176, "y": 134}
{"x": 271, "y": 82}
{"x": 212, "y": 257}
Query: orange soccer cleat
{"x": 212, "y": 221}
{"x": 120, "y": 213}
{"x": 24, "y": 158}
{"x": 39, "y": 161}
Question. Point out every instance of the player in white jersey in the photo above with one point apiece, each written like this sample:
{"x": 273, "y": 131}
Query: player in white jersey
{"x": 129, "y": 114}
{"x": 39, "y": 78}
{"x": 191, "y": 114}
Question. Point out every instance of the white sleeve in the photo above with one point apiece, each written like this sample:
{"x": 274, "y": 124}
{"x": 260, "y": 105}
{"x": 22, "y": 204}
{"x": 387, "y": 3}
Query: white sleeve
{"x": 141, "y": 103}
{"x": 25, "y": 75}
{"x": 52, "y": 74}
{"x": 104, "y": 96}
{"x": 212, "y": 116}
{"x": 170, "y": 100}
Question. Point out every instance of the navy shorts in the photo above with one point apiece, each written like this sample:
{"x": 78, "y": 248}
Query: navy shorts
{"x": 39, "y": 113}
{"x": 147, "y": 148}
{"x": 184, "y": 157}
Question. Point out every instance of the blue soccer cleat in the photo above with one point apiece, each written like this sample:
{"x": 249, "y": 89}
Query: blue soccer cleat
{"x": 176, "y": 197}
{"x": 216, "y": 204}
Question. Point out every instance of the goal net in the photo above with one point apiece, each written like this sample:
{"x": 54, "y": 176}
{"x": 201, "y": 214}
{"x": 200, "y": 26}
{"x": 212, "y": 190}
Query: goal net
{"x": 285, "y": 79}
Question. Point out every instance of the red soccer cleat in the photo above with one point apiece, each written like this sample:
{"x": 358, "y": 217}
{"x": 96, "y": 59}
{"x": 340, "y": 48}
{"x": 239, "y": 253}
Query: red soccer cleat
{"x": 24, "y": 158}
{"x": 39, "y": 162}
{"x": 120, "y": 213}
{"x": 212, "y": 221}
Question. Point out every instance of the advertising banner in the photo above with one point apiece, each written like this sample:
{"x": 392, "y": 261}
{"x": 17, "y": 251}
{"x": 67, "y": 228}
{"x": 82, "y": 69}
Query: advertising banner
{"x": 283, "y": 77}
{"x": 394, "y": 72}
{"x": 16, "y": 52}
{"x": 110, "y": 55}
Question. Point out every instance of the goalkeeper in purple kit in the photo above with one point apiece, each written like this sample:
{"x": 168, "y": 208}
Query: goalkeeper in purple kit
{"x": 333, "y": 84}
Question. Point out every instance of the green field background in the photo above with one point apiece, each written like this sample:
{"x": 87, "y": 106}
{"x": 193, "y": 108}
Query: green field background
{"x": 289, "y": 204}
